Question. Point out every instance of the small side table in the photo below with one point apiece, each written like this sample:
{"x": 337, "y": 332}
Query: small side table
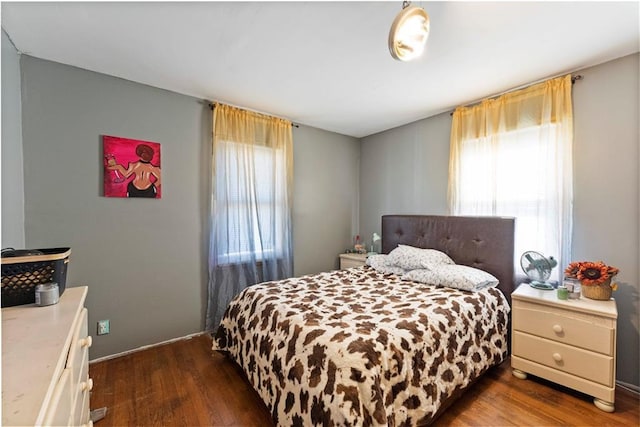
{"x": 352, "y": 260}
{"x": 569, "y": 342}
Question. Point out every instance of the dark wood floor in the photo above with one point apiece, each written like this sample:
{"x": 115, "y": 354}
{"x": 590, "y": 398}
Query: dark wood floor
{"x": 185, "y": 383}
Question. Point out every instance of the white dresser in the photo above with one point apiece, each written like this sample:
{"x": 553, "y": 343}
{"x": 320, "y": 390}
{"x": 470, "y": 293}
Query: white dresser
{"x": 45, "y": 363}
{"x": 569, "y": 342}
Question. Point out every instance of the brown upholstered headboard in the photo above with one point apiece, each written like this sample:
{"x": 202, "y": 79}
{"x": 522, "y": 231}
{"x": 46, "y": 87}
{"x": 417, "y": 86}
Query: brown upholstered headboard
{"x": 486, "y": 243}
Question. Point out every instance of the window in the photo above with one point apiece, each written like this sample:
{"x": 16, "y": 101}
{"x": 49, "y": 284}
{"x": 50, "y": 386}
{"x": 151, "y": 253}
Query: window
{"x": 512, "y": 156}
{"x": 514, "y": 178}
{"x": 250, "y": 193}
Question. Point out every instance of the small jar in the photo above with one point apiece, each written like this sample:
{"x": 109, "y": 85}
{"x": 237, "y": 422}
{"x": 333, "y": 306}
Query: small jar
{"x": 573, "y": 286}
{"x": 563, "y": 293}
{"x": 47, "y": 294}
{"x": 577, "y": 290}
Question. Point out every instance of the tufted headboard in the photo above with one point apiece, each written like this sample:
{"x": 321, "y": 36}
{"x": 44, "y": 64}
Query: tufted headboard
{"x": 486, "y": 243}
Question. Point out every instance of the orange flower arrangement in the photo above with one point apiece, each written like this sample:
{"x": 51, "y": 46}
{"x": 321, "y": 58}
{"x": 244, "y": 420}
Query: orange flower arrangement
{"x": 592, "y": 273}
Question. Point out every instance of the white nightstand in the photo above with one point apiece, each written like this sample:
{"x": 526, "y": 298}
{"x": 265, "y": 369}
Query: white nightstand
{"x": 569, "y": 342}
{"x": 352, "y": 260}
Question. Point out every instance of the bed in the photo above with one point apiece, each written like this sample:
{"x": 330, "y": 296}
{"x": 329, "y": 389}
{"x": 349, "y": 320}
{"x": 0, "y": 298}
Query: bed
{"x": 361, "y": 347}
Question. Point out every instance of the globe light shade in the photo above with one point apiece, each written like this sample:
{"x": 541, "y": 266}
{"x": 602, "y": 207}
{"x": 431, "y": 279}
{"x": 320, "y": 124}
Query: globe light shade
{"x": 409, "y": 33}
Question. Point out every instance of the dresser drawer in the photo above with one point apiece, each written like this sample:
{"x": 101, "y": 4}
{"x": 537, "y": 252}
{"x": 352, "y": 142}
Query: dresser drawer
{"x": 577, "y": 329}
{"x": 586, "y": 364}
{"x": 79, "y": 350}
{"x": 81, "y": 394}
{"x": 80, "y": 415}
{"x": 57, "y": 413}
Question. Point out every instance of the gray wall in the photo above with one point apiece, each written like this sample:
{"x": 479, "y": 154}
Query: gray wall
{"x": 12, "y": 177}
{"x": 325, "y": 201}
{"x": 145, "y": 260}
{"x": 606, "y": 188}
{"x": 404, "y": 170}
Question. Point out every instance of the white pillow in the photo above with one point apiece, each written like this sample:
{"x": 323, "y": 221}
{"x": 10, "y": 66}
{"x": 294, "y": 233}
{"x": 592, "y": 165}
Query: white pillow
{"x": 381, "y": 263}
{"x": 454, "y": 276}
{"x": 411, "y": 258}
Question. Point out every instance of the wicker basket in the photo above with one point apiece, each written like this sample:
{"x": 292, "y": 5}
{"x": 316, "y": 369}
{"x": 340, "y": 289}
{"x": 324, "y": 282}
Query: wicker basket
{"x": 600, "y": 292}
{"x": 23, "y": 270}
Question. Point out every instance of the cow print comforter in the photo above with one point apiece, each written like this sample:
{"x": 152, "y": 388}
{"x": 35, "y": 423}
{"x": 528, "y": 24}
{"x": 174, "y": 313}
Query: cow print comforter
{"x": 356, "y": 347}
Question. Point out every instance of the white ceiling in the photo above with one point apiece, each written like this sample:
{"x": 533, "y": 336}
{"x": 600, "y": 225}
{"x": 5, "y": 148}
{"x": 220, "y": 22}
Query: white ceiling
{"x": 326, "y": 64}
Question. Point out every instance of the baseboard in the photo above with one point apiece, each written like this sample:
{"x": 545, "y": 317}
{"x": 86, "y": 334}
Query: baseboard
{"x": 145, "y": 347}
{"x": 629, "y": 387}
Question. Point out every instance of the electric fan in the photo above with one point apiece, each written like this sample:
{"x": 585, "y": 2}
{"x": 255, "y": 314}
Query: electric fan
{"x": 538, "y": 269}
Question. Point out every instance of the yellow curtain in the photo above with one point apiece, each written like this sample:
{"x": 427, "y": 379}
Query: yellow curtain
{"x": 252, "y": 186}
{"x": 512, "y": 156}
{"x": 546, "y": 102}
{"x": 255, "y": 129}
{"x": 235, "y": 124}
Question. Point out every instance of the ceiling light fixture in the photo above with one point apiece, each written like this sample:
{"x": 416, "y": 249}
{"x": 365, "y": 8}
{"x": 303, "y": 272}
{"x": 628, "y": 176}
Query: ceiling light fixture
{"x": 409, "y": 33}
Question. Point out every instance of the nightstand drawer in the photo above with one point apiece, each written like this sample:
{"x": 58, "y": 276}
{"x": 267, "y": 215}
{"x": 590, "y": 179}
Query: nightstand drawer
{"x": 586, "y": 364}
{"x": 577, "y": 329}
{"x": 352, "y": 260}
{"x": 348, "y": 263}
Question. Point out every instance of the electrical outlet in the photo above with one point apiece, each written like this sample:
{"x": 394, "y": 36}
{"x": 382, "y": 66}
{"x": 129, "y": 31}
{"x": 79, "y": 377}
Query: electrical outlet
{"x": 103, "y": 327}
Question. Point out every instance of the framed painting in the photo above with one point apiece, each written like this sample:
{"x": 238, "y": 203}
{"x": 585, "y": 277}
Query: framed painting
{"x": 131, "y": 168}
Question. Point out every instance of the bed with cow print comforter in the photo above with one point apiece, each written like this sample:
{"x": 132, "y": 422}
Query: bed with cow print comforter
{"x": 356, "y": 347}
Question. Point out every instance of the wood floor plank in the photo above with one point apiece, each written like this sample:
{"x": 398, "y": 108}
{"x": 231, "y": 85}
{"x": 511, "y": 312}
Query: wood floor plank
{"x": 185, "y": 383}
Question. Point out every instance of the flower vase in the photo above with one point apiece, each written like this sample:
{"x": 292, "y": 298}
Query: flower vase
{"x": 599, "y": 292}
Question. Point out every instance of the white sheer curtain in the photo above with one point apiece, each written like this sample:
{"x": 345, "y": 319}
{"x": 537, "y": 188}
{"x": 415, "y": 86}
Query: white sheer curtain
{"x": 512, "y": 156}
{"x": 250, "y": 237}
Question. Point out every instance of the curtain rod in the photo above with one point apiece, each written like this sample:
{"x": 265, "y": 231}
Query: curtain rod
{"x": 574, "y": 79}
{"x": 212, "y": 106}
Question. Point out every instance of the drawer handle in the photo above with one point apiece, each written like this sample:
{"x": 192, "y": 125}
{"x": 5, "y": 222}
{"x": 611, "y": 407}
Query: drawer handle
{"x": 87, "y": 385}
{"x": 557, "y": 357}
{"x": 557, "y": 329}
{"x": 86, "y": 342}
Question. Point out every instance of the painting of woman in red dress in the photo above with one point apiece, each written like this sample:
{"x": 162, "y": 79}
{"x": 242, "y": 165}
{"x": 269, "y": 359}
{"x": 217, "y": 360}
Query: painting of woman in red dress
{"x": 141, "y": 177}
